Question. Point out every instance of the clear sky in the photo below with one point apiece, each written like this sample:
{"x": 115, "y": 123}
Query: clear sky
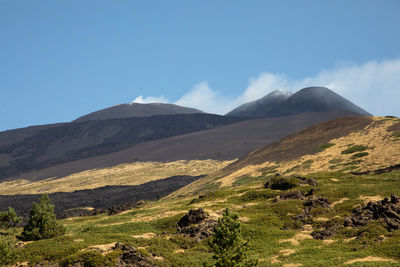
{"x": 63, "y": 59}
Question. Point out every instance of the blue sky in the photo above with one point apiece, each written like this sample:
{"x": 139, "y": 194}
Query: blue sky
{"x": 62, "y": 59}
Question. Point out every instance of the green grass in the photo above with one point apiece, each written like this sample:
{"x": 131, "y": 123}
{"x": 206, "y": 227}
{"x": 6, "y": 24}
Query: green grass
{"x": 360, "y": 154}
{"x": 323, "y": 147}
{"x": 354, "y": 148}
{"x": 396, "y": 134}
{"x": 267, "y": 224}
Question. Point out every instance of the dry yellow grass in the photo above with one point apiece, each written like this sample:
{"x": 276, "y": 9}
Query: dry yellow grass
{"x": 125, "y": 174}
{"x": 370, "y": 259}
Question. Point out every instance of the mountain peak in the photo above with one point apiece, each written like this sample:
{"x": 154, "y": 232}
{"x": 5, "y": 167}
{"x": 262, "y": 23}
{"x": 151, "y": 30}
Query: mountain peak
{"x": 134, "y": 109}
{"x": 280, "y": 93}
{"x": 310, "y": 99}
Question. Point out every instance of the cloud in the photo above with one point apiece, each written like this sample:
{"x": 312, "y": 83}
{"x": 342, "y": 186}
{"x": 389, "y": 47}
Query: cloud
{"x": 203, "y": 97}
{"x": 151, "y": 99}
{"x": 374, "y": 86}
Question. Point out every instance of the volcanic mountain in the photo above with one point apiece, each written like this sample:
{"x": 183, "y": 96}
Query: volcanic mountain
{"x": 93, "y": 141}
{"x": 310, "y": 99}
{"x": 38, "y": 147}
{"x": 137, "y": 110}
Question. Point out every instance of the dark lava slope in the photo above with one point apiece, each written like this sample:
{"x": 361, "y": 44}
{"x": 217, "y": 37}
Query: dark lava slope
{"x": 99, "y": 198}
{"x": 47, "y": 146}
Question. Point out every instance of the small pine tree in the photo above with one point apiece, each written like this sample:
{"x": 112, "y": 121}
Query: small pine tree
{"x": 9, "y": 218}
{"x": 228, "y": 247}
{"x": 42, "y": 222}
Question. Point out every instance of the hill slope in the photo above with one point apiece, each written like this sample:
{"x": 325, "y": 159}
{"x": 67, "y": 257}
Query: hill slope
{"x": 371, "y": 141}
{"x": 48, "y": 146}
{"x": 137, "y": 110}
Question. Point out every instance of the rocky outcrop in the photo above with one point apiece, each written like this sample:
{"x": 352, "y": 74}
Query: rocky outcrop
{"x": 294, "y": 194}
{"x": 387, "y": 209}
{"x": 196, "y": 224}
{"x": 310, "y": 204}
{"x": 131, "y": 257}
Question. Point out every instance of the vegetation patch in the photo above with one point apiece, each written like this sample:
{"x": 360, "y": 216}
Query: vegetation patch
{"x": 335, "y": 161}
{"x": 258, "y": 194}
{"x": 354, "y": 148}
{"x": 396, "y": 134}
{"x": 360, "y": 154}
{"x": 323, "y": 147}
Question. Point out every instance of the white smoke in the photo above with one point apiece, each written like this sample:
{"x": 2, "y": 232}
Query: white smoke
{"x": 374, "y": 86}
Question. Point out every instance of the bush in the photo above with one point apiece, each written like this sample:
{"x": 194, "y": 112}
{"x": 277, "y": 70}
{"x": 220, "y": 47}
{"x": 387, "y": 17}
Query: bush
{"x": 226, "y": 243}
{"x": 354, "y": 148}
{"x": 9, "y": 218}
{"x": 6, "y": 253}
{"x": 282, "y": 183}
{"x": 42, "y": 222}
{"x": 257, "y": 194}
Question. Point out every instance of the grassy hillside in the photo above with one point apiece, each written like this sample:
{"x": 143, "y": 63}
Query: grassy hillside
{"x": 306, "y": 224}
{"x": 274, "y": 236}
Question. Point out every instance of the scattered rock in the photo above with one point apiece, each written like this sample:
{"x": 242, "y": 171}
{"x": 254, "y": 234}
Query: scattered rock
{"x": 309, "y": 181}
{"x": 192, "y": 217}
{"x": 386, "y": 209}
{"x": 294, "y": 194}
{"x": 196, "y": 224}
{"x": 325, "y": 233}
{"x": 131, "y": 257}
{"x": 311, "y": 203}
{"x": 379, "y": 171}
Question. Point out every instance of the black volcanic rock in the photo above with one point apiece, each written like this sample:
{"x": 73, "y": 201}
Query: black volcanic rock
{"x": 137, "y": 110}
{"x": 310, "y": 99}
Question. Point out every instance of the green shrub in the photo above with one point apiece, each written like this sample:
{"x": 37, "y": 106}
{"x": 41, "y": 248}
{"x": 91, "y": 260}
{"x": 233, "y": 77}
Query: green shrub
{"x": 9, "y": 218}
{"x": 323, "y": 147}
{"x": 360, "y": 154}
{"x": 282, "y": 183}
{"x": 354, "y": 148}
{"x": 257, "y": 194}
{"x": 91, "y": 259}
{"x": 6, "y": 252}
{"x": 42, "y": 222}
